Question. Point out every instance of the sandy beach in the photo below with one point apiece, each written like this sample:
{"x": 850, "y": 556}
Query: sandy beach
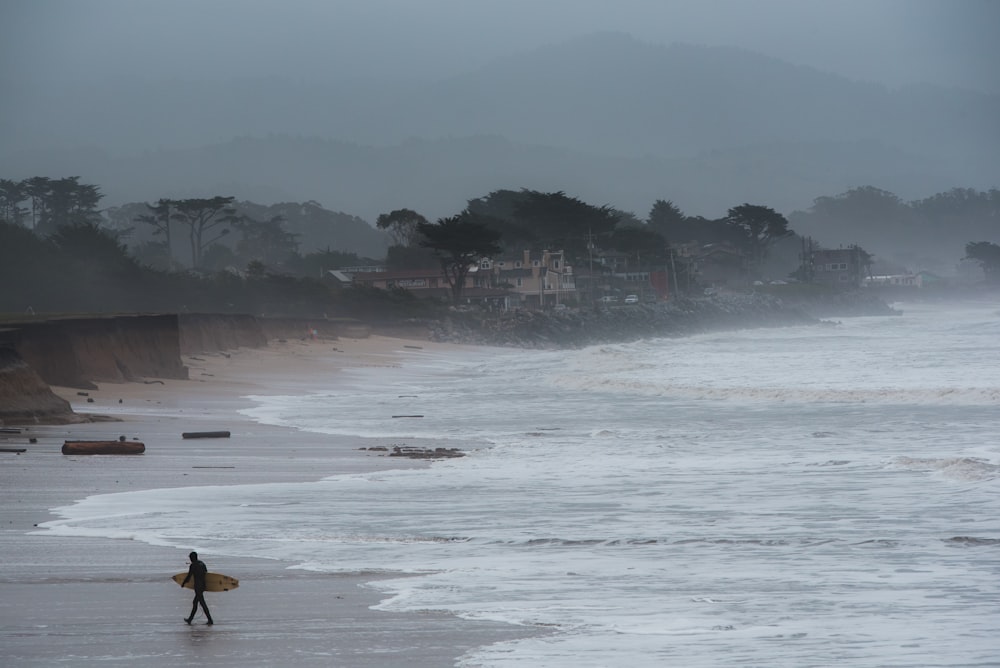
{"x": 82, "y": 601}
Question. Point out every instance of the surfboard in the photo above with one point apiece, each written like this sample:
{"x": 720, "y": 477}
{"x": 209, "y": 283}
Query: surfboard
{"x": 213, "y": 581}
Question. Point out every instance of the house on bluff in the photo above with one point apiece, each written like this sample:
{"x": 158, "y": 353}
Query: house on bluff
{"x": 529, "y": 280}
{"x": 839, "y": 268}
{"x": 540, "y": 280}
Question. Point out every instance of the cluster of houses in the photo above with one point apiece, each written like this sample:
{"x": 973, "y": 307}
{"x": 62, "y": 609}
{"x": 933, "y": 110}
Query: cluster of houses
{"x": 532, "y": 280}
{"x": 545, "y": 280}
{"x": 847, "y": 268}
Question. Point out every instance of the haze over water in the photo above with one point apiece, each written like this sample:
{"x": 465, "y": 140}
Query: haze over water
{"x": 806, "y": 496}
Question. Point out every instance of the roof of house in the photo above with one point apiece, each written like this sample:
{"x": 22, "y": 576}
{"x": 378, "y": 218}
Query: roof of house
{"x": 397, "y": 274}
{"x": 338, "y": 275}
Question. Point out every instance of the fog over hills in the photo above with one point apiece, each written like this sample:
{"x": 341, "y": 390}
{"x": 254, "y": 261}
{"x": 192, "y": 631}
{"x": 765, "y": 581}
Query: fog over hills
{"x": 605, "y": 117}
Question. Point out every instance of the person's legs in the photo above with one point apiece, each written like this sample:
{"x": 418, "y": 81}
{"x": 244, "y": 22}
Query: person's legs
{"x": 194, "y": 608}
{"x": 204, "y": 607}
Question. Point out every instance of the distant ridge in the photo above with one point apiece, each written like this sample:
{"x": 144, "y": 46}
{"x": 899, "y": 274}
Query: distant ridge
{"x": 605, "y": 117}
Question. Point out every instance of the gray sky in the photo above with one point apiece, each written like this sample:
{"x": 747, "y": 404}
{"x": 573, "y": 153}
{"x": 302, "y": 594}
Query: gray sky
{"x": 950, "y": 42}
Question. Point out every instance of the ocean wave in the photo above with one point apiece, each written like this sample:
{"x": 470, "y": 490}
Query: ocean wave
{"x": 977, "y": 396}
{"x": 973, "y": 541}
{"x": 958, "y": 468}
{"x": 643, "y": 541}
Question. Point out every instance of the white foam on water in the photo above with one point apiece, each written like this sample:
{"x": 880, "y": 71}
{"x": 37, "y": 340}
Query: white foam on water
{"x": 818, "y": 497}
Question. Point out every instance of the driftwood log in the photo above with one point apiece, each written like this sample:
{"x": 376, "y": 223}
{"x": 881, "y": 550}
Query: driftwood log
{"x": 205, "y": 434}
{"x": 103, "y": 448}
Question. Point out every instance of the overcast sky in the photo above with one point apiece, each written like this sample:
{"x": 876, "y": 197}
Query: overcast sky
{"x": 950, "y": 42}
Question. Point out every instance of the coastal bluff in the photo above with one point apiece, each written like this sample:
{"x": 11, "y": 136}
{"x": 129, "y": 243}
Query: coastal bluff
{"x": 24, "y": 396}
{"x": 77, "y": 351}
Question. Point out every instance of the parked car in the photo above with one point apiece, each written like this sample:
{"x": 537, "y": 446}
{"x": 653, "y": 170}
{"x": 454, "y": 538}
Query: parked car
{"x": 631, "y": 299}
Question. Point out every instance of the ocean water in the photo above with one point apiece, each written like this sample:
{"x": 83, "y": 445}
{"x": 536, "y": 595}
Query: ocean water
{"x": 804, "y": 496}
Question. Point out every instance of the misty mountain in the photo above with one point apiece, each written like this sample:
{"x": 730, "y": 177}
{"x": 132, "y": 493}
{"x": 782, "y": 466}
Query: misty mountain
{"x": 605, "y": 118}
{"x": 317, "y": 229}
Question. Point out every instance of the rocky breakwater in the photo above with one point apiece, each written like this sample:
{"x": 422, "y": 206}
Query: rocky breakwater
{"x": 840, "y": 303}
{"x": 576, "y": 328}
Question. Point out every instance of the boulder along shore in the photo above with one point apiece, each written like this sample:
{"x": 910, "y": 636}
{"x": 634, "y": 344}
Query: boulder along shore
{"x": 678, "y": 317}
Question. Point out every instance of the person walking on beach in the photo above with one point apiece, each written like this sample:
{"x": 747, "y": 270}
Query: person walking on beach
{"x": 196, "y": 573}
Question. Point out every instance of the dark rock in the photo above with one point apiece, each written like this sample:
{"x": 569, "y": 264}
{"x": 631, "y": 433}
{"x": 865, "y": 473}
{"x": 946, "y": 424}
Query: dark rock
{"x": 425, "y": 453}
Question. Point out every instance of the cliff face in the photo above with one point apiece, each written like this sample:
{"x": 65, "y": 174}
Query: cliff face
{"x": 81, "y": 351}
{"x": 77, "y": 352}
{"x": 24, "y": 396}
{"x": 212, "y": 332}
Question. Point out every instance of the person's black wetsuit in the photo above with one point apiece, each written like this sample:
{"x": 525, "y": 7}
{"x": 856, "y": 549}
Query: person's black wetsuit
{"x": 196, "y": 573}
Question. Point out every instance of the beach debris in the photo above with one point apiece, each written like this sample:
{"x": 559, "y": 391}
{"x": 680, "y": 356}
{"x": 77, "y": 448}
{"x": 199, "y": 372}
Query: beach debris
{"x": 83, "y": 394}
{"x": 376, "y": 448}
{"x": 425, "y": 453}
{"x": 151, "y": 382}
{"x": 407, "y": 416}
{"x": 90, "y": 400}
{"x": 205, "y": 434}
{"x": 415, "y": 347}
{"x": 16, "y": 451}
{"x": 9, "y": 430}
{"x": 32, "y": 440}
{"x": 119, "y": 447}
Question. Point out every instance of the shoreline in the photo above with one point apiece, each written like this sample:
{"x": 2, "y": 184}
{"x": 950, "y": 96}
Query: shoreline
{"x": 99, "y": 599}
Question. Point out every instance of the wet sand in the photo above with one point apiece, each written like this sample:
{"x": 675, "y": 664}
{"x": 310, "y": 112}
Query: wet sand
{"x": 96, "y": 601}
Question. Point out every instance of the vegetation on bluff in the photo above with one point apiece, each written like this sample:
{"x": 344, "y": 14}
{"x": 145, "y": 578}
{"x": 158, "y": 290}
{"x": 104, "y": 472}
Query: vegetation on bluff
{"x": 60, "y": 252}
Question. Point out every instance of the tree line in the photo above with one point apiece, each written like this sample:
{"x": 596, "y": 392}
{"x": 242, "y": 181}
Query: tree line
{"x": 46, "y": 204}
{"x": 508, "y": 221}
{"x": 56, "y": 257}
{"x": 69, "y": 233}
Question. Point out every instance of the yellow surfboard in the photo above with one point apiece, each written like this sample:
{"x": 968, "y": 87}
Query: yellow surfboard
{"x": 213, "y": 581}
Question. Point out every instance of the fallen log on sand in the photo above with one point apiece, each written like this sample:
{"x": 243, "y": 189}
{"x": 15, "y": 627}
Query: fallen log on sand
{"x": 205, "y": 434}
{"x": 103, "y": 448}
